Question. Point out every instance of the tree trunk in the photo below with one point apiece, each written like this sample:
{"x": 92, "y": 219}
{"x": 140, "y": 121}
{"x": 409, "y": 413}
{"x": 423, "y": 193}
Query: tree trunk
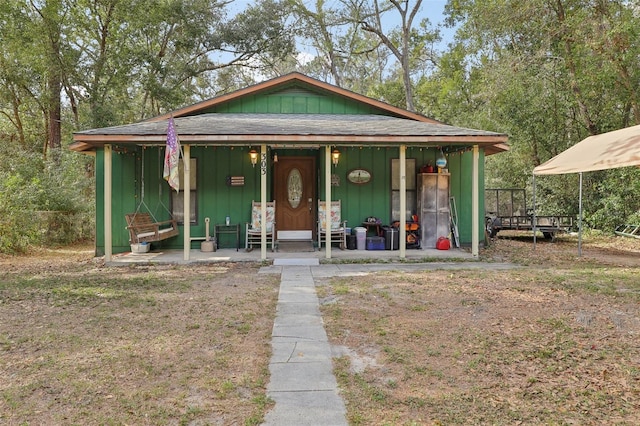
{"x": 54, "y": 117}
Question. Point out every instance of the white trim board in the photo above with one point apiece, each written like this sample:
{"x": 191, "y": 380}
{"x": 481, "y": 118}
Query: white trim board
{"x": 295, "y": 235}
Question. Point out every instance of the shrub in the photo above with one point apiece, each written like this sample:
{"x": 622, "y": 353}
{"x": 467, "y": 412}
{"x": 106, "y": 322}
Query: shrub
{"x": 44, "y": 203}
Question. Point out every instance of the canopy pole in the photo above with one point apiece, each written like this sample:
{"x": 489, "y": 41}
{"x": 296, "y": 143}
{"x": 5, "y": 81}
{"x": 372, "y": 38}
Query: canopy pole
{"x": 534, "y": 211}
{"x": 580, "y": 219}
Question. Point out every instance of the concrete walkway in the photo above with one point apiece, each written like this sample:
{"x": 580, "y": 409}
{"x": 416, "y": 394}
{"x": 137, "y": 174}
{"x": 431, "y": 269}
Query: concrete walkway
{"x": 302, "y": 383}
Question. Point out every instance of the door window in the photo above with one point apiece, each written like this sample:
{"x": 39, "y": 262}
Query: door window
{"x": 294, "y": 188}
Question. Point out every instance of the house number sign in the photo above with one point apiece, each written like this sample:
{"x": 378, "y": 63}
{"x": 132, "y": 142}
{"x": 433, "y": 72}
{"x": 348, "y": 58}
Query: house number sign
{"x": 263, "y": 164}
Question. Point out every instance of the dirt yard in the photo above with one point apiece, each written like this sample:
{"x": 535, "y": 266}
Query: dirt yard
{"x": 554, "y": 341}
{"x": 88, "y": 345}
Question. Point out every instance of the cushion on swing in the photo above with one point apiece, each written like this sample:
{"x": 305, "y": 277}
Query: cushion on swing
{"x": 148, "y": 234}
{"x": 142, "y": 228}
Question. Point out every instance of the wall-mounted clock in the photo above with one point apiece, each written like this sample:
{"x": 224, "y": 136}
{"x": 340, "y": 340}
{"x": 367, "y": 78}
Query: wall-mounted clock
{"x": 359, "y": 176}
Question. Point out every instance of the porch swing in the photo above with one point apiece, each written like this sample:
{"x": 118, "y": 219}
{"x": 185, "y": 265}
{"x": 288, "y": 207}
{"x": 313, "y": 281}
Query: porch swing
{"x": 143, "y": 226}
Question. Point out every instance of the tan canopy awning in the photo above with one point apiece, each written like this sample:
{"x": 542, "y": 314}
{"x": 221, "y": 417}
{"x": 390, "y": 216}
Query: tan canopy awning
{"x": 620, "y": 148}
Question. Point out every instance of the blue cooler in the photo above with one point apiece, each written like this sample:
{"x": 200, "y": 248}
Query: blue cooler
{"x": 375, "y": 243}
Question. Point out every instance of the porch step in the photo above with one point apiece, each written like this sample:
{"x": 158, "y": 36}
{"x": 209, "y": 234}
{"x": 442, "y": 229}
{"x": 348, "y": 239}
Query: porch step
{"x": 295, "y": 246}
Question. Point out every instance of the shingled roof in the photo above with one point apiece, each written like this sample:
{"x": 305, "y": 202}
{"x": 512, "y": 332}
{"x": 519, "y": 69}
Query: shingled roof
{"x": 195, "y": 126}
{"x": 300, "y": 129}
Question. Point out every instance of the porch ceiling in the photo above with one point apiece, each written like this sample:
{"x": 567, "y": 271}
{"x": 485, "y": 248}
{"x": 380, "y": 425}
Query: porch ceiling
{"x": 298, "y": 129}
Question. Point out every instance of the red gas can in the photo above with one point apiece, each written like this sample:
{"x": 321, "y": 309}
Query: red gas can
{"x": 443, "y": 243}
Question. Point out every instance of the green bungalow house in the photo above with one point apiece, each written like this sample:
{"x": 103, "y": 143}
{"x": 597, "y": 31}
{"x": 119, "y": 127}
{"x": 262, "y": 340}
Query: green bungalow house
{"x": 377, "y": 159}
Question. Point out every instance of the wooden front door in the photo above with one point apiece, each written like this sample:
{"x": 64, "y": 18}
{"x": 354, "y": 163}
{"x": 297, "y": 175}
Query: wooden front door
{"x": 294, "y": 191}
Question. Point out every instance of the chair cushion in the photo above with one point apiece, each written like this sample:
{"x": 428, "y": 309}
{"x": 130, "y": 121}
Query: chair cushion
{"x": 335, "y": 217}
{"x": 336, "y": 224}
{"x": 160, "y": 232}
{"x": 256, "y": 215}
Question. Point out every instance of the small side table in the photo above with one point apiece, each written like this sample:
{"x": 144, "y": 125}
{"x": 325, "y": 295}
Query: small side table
{"x": 375, "y": 226}
{"x": 221, "y": 228}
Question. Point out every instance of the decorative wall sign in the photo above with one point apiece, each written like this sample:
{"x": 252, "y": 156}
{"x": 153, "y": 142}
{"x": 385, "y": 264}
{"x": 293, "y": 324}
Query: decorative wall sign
{"x": 235, "y": 180}
{"x": 359, "y": 176}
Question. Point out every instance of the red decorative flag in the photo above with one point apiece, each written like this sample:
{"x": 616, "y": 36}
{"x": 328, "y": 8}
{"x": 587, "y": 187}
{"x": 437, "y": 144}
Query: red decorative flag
{"x": 171, "y": 157}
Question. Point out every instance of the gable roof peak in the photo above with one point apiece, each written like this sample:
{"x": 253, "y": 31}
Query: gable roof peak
{"x": 286, "y": 80}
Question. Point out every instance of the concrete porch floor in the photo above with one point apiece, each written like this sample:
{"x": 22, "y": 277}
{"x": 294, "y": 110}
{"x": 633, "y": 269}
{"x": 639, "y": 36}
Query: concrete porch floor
{"x": 337, "y": 256}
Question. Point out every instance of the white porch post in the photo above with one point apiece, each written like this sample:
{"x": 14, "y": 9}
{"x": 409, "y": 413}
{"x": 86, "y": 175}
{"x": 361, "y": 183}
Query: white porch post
{"x": 186, "y": 158}
{"x": 263, "y": 202}
{"x": 108, "y": 174}
{"x": 327, "y": 194}
{"x": 402, "y": 231}
{"x": 475, "y": 202}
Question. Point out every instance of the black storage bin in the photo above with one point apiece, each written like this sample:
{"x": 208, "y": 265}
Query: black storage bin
{"x": 351, "y": 242}
{"x": 391, "y": 238}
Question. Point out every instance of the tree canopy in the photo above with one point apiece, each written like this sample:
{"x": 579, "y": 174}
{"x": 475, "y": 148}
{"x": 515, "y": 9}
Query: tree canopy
{"x": 550, "y": 73}
{"x": 546, "y": 72}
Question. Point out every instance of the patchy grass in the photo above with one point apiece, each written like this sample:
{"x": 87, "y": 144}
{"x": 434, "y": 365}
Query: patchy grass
{"x": 553, "y": 342}
{"x": 82, "y": 344}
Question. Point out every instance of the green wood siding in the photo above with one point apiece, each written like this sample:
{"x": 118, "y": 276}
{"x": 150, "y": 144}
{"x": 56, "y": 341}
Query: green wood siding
{"x": 294, "y": 102}
{"x": 124, "y": 199}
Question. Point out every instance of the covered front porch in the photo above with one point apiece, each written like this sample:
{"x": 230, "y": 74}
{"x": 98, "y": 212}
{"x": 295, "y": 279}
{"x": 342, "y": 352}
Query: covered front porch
{"x": 324, "y": 179}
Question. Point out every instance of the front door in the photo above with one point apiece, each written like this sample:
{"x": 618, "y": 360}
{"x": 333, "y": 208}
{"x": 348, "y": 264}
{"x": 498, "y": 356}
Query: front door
{"x": 294, "y": 192}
